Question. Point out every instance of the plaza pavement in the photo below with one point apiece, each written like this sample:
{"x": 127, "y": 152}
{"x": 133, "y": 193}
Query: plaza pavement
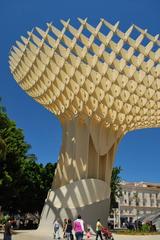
{"x": 33, "y": 235}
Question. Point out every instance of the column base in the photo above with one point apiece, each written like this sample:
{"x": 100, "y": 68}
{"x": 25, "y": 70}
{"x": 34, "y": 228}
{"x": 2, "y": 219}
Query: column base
{"x": 88, "y": 197}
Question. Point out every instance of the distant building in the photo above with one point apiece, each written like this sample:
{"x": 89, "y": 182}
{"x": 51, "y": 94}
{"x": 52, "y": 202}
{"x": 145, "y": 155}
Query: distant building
{"x": 138, "y": 199}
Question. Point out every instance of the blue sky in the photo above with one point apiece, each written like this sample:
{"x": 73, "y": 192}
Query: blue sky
{"x": 139, "y": 151}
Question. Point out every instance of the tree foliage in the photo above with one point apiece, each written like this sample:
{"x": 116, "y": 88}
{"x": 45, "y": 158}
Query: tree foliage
{"x": 115, "y": 186}
{"x": 24, "y": 183}
{"x": 3, "y": 149}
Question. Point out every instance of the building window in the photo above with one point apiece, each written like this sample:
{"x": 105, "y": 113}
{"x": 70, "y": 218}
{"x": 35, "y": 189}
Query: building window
{"x": 144, "y": 202}
{"x": 152, "y": 203}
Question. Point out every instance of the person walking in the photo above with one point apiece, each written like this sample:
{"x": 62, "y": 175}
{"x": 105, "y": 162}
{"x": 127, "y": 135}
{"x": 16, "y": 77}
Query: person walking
{"x": 99, "y": 229}
{"x": 64, "y": 227}
{"x": 68, "y": 230}
{"x": 56, "y": 230}
{"x": 78, "y": 227}
{"x": 8, "y": 229}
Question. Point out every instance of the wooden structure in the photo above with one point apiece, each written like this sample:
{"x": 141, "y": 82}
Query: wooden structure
{"x": 101, "y": 83}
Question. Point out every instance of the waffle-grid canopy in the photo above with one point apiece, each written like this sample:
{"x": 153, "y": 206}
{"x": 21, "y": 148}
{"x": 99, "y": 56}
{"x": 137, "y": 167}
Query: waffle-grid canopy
{"x": 97, "y": 72}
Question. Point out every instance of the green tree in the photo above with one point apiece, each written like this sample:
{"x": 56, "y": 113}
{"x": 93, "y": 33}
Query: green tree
{"x": 3, "y": 124}
{"x": 3, "y": 150}
{"x": 12, "y": 161}
{"x": 24, "y": 183}
{"x": 116, "y": 191}
{"x": 47, "y": 175}
{"x": 36, "y": 182}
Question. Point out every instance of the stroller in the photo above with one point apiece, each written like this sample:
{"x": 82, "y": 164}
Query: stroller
{"x": 107, "y": 234}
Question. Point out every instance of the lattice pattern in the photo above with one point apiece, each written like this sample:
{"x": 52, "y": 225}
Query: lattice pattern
{"x": 113, "y": 77}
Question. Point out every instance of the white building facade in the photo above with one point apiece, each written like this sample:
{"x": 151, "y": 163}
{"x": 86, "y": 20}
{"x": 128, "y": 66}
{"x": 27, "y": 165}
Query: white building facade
{"x": 138, "y": 199}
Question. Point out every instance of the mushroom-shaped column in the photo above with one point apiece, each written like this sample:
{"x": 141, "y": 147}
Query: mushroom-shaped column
{"x": 101, "y": 83}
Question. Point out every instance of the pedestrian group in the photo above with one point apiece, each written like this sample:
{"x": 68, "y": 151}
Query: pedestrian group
{"x": 78, "y": 227}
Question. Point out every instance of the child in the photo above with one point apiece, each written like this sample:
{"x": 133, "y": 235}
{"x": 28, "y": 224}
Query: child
{"x": 88, "y": 233}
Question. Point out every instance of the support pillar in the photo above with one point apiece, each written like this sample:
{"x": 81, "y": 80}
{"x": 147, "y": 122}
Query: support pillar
{"x": 82, "y": 180}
